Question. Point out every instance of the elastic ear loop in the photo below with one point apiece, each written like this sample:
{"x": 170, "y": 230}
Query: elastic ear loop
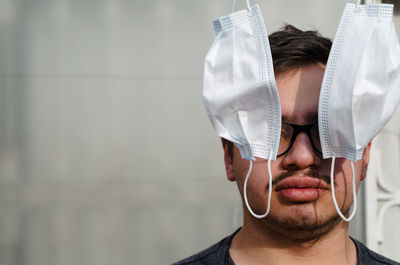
{"x": 269, "y": 189}
{"x": 333, "y": 192}
{"x": 234, "y": 5}
{"x": 358, "y": 2}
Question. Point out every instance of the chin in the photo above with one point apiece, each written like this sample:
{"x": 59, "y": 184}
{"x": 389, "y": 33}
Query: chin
{"x": 303, "y": 222}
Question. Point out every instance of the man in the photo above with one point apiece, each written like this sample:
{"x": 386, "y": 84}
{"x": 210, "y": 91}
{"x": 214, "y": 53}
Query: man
{"x": 303, "y": 226}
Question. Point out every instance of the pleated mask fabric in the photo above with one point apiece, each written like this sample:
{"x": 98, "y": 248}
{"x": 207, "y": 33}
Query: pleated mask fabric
{"x": 361, "y": 86}
{"x": 239, "y": 92}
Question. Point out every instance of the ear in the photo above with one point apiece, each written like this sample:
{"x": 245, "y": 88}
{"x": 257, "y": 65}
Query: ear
{"x": 228, "y": 159}
{"x": 365, "y": 161}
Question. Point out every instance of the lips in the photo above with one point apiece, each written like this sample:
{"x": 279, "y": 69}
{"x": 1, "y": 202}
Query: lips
{"x": 301, "y": 189}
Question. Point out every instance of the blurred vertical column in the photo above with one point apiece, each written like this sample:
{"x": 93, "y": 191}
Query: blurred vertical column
{"x": 13, "y": 149}
{"x": 382, "y": 196}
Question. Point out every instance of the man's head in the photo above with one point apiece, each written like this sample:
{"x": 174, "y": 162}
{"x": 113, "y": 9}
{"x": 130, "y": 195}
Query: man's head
{"x": 301, "y": 202}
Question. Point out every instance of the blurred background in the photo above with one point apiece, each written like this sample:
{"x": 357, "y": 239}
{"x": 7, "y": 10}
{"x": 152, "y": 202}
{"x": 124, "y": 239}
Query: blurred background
{"x": 106, "y": 152}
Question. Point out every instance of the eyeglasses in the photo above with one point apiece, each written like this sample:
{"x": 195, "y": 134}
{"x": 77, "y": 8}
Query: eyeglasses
{"x": 290, "y": 131}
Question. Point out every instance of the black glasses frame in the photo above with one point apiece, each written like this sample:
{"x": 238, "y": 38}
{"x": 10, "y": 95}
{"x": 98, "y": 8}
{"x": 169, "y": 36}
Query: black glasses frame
{"x": 298, "y": 129}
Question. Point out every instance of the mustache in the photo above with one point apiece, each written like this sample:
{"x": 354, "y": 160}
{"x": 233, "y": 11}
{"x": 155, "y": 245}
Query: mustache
{"x": 310, "y": 173}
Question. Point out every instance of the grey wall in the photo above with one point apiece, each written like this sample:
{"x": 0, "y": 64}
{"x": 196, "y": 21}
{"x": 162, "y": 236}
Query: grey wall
{"x": 106, "y": 153}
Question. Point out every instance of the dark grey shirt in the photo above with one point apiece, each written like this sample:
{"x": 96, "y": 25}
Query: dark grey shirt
{"x": 218, "y": 254}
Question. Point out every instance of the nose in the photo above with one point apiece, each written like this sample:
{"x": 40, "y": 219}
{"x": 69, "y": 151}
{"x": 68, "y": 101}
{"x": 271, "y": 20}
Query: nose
{"x": 302, "y": 155}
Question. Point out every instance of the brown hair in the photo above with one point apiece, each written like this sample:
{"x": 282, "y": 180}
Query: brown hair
{"x": 292, "y": 48}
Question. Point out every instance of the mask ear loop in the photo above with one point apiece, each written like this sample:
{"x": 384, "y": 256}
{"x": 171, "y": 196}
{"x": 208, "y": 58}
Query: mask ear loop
{"x": 333, "y": 192}
{"x": 269, "y": 189}
{"x": 234, "y": 5}
{"x": 358, "y": 3}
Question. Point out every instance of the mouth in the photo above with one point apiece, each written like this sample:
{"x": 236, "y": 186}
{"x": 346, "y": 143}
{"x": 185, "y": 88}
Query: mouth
{"x": 301, "y": 189}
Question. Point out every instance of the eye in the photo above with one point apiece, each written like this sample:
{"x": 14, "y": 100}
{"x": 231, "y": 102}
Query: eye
{"x": 315, "y": 137}
{"x": 286, "y": 131}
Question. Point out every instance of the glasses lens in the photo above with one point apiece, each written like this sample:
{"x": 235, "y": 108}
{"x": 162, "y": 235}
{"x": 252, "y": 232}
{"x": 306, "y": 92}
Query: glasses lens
{"x": 286, "y": 136}
{"x": 315, "y": 137}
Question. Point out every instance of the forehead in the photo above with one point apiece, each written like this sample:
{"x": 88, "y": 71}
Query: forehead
{"x": 299, "y": 93}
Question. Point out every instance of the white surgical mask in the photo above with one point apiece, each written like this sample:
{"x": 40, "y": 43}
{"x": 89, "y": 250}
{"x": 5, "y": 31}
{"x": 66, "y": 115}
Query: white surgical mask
{"x": 361, "y": 86}
{"x": 240, "y": 93}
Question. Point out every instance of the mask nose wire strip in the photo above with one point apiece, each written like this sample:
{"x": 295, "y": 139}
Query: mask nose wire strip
{"x": 269, "y": 189}
{"x": 234, "y": 5}
{"x": 333, "y": 192}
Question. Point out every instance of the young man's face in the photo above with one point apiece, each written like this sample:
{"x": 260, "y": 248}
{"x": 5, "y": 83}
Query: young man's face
{"x": 301, "y": 202}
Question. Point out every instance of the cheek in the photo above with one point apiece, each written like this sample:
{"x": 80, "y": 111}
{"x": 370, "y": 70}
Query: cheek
{"x": 257, "y": 184}
{"x": 240, "y": 169}
{"x": 344, "y": 180}
{"x": 344, "y": 173}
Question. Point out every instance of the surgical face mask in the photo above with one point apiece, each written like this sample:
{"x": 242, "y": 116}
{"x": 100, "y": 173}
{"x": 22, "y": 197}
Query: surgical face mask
{"x": 240, "y": 93}
{"x": 360, "y": 89}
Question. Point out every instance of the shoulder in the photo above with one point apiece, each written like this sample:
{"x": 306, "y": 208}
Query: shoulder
{"x": 369, "y": 257}
{"x": 216, "y": 254}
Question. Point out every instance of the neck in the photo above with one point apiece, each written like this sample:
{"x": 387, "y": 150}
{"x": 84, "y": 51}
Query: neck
{"x": 258, "y": 243}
